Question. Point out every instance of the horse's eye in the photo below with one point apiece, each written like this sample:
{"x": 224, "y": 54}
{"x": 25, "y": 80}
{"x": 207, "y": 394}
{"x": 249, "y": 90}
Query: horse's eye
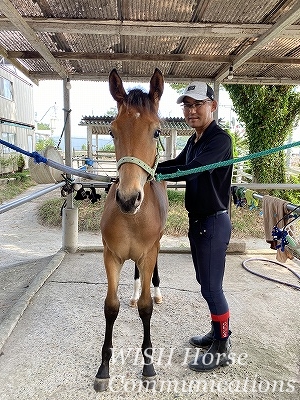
{"x": 157, "y": 133}
{"x": 111, "y": 134}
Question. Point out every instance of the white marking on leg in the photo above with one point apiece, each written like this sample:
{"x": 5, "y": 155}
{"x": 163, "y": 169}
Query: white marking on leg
{"x": 157, "y": 295}
{"x": 136, "y": 292}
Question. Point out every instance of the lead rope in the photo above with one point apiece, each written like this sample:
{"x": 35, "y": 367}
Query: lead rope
{"x": 165, "y": 177}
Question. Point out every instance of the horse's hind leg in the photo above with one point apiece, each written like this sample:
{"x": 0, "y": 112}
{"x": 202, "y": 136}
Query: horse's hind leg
{"x": 111, "y": 310}
{"x": 136, "y": 287}
{"x": 137, "y": 284}
{"x": 155, "y": 281}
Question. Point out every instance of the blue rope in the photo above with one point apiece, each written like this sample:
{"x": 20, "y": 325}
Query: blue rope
{"x": 38, "y": 158}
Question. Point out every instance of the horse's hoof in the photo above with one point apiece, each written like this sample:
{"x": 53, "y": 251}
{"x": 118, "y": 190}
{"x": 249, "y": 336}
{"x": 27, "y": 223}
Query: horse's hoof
{"x": 100, "y": 385}
{"x": 149, "y": 381}
{"x": 157, "y": 300}
{"x": 133, "y": 303}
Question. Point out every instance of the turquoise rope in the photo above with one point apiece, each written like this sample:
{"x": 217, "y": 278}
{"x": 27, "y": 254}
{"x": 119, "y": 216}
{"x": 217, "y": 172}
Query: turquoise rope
{"x": 165, "y": 177}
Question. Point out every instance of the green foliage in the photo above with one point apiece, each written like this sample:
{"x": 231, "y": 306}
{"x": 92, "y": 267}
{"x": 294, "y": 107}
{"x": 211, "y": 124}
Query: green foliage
{"x": 112, "y": 112}
{"x": 175, "y": 197}
{"x": 23, "y": 177}
{"x": 108, "y": 147}
{"x": 21, "y": 163}
{"x": 42, "y": 144}
{"x": 239, "y": 143}
{"x": 269, "y": 114}
{"x": 292, "y": 196}
{"x": 10, "y": 162}
{"x": 5, "y": 162}
{"x": 14, "y": 185}
{"x": 41, "y": 126}
{"x": 178, "y": 86}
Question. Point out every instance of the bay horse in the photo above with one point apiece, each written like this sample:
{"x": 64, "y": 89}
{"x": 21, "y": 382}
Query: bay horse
{"x": 135, "y": 211}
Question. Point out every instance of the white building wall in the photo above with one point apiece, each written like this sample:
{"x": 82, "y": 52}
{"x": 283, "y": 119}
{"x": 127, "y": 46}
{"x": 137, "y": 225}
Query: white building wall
{"x": 19, "y": 109}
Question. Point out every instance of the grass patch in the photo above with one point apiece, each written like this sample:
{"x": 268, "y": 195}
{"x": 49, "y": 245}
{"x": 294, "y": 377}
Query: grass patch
{"x": 11, "y": 185}
{"x": 177, "y": 222}
{"x": 245, "y": 222}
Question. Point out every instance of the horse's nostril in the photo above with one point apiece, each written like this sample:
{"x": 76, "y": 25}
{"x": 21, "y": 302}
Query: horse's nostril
{"x": 129, "y": 203}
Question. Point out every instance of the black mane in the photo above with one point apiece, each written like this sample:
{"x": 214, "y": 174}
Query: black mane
{"x": 139, "y": 99}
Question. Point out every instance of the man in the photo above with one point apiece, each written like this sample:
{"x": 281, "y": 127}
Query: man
{"x": 207, "y": 200}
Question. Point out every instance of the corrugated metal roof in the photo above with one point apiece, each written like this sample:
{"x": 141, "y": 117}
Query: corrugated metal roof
{"x": 186, "y": 40}
{"x": 101, "y": 125}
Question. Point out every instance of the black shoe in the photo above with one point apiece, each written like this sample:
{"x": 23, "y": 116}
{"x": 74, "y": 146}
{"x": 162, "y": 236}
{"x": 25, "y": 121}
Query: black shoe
{"x": 203, "y": 341}
{"x": 216, "y": 356}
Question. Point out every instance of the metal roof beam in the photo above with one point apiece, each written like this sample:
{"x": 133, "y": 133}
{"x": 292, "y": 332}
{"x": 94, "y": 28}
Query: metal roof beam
{"x": 17, "y": 64}
{"x": 151, "y": 57}
{"x": 147, "y": 28}
{"x": 20, "y": 25}
{"x": 102, "y": 77}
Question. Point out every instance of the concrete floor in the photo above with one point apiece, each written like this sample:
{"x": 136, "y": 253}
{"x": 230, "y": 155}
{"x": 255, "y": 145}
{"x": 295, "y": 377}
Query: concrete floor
{"x": 54, "y": 350}
{"x": 52, "y": 322}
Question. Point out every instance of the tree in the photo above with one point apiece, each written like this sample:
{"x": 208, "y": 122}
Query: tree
{"x": 42, "y": 144}
{"x": 112, "y": 112}
{"x": 41, "y": 126}
{"x": 269, "y": 113}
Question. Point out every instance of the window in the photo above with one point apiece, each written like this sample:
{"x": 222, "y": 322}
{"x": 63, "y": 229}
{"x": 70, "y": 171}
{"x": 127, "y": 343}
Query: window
{"x": 10, "y": 138}
{"x": 6, "y": 88}
{"x": 30, "y": 143}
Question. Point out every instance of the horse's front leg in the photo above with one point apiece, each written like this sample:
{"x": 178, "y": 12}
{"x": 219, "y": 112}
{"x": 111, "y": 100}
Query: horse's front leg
{"x": 111, "y": 310}
{"x": 145, "y": 307}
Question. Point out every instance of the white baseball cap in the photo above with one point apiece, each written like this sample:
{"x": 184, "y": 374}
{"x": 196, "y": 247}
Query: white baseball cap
{"x": 197, "y": 91}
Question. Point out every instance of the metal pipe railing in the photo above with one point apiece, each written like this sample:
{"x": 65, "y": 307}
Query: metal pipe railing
{"x": 19, "y": 202}
{"x": 289, "y": 206}
{"x": 16, "y": 203}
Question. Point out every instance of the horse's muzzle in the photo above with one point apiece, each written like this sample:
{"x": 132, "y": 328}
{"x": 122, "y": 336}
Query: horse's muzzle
{"x": 129, "y": 204}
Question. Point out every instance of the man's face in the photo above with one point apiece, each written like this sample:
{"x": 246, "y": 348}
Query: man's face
{"x": 198, "y": 113}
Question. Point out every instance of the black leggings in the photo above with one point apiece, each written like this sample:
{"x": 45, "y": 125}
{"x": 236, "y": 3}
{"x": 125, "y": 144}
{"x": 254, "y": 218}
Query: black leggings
{"x": 209, "y": 238}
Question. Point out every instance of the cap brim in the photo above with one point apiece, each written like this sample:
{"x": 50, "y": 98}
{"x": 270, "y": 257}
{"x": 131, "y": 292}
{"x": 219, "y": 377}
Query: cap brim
{"x": 180, "y": 98}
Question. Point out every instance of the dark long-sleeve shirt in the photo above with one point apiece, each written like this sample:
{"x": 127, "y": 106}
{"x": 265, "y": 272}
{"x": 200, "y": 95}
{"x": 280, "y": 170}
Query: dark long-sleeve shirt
{"x": 209, "y": 191}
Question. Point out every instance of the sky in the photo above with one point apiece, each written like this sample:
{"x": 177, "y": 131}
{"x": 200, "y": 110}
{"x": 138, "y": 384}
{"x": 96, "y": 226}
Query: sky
{"x": 94, "y": 99}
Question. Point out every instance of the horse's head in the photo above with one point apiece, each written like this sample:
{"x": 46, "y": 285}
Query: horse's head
{"x": 135, "y": 132}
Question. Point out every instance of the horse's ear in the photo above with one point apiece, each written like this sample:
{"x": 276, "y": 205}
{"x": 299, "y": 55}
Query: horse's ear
{"x": 156, "y": 86}
{"x": 116, "y": 87}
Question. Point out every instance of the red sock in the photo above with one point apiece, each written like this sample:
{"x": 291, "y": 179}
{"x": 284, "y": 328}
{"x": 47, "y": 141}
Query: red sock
{"x": 221, "y": 325}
